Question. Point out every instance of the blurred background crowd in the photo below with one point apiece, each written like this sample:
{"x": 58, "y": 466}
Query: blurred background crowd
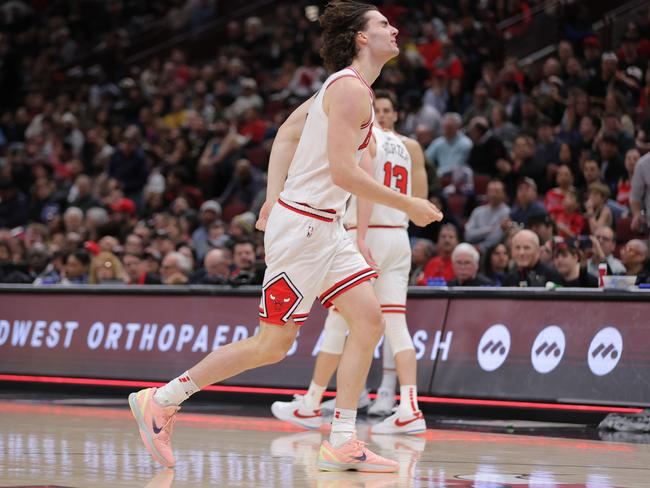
{"x": 135, "y": 136}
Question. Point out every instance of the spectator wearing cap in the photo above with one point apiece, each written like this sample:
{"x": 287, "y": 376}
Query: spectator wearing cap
{"x": 440, "y": 265}
{"x": 613, "y": 123}
{"x": 640, "y": 195}
{"x": 597, "y": 211}
{"x": 125, "y": 207}
{"x": 599, "y": 83}
{"x": 529, "y": 270}
{"x": 127, "y": 164}
{"x": 465, "y": 262}
{"x": 603, "y": 244}
{"x": 566, "y": 260}
{"x": 484, "y": 225}
{"x": 216, "y": 269}
{"x": 592, "y": 52}
{"x": 175, "y": 269}
{"x": 543, "y": 225}
{"x": 450, "y": 150}
{"x": 209, "y": 212}
{"x": 486, "y": 149}
{"x": 526, "y": 203}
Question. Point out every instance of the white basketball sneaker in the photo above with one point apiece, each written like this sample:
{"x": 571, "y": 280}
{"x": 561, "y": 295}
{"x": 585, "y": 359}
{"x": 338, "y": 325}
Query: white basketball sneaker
{"x": 328, "y": 406}
{"x": 297, "y": 413}
{"x": 413, "y": 424}
{"x": 383, "y": 405}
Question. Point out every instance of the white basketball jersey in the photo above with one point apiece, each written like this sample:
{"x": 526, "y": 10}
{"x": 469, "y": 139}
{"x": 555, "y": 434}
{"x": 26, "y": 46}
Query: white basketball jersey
{"x": 309, "y": 180}
{"x": 392, "y": 165}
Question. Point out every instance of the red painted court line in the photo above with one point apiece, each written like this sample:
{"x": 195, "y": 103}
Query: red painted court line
{"x": 292, "y": 391}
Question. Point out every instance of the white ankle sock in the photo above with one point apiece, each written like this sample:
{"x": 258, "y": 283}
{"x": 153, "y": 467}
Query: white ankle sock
{"x": 314, "y": 395}
{"x": 408, "y": 404}
{"x": 176, "y": 391}
{"x": 343, "y": 424}
{"x": 389, "y": 380}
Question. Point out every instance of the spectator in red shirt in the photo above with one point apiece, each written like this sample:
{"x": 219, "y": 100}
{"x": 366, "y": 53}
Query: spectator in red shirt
{"x": 430, "y": 47}
{"x": 440, "y": 266}
{"x": 569, "y": 220}
{"x": 554, "y": 197}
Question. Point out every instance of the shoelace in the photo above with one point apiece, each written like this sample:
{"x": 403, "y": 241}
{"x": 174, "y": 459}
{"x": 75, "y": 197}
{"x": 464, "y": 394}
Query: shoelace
{"x": 166, "y": 431}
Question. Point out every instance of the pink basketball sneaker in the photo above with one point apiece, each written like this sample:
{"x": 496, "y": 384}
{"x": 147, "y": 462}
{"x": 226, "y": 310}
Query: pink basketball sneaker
{"x": 353, "y": 455}
{"x": 155, "y": 424}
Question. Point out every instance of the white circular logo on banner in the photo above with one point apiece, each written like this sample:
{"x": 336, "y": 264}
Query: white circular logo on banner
{"x": 605, "y": 351}
{"x": 548, "y": 349}
{"x": 493, "y": 347}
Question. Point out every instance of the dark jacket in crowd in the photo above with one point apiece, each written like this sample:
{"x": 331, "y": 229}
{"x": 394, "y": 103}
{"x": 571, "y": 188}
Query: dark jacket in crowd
{"x": 538, "y": 275}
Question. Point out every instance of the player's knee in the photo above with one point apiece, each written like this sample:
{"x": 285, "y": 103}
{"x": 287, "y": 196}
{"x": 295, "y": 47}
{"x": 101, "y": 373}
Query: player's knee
{"x": 374, "y": 326}
{"x": 270, "y": 351}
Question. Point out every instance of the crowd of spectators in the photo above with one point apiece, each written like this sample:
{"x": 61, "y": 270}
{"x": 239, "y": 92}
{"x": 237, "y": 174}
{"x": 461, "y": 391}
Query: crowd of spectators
{"x": 155, "y": 173}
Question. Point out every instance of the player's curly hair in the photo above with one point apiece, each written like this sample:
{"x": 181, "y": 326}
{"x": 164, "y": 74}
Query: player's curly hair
{"x": 341, "y": 21}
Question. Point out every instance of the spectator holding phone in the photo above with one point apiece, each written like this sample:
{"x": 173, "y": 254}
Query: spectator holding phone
{"x": 603, "y": 245}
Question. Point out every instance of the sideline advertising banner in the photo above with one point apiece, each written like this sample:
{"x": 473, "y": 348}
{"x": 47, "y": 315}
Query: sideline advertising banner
{"x": 567, "y": 351}
{"x": 149, "y": 337}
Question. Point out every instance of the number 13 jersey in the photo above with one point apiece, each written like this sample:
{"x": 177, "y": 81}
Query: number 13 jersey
{"x": 392, "y": 168}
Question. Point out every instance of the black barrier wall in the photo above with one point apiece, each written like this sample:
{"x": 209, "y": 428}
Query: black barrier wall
{"x": 551, "y": 346}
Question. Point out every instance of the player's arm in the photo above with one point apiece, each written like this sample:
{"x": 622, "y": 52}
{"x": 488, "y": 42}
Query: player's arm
{"x": 364, "y": 207}
{"x": 348, "y": 109}
{"x": 419, "y": 185}
{"x": 282, "y": 152}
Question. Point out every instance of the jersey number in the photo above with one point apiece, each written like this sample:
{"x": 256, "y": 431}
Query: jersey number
{"x": 400, "y": 175}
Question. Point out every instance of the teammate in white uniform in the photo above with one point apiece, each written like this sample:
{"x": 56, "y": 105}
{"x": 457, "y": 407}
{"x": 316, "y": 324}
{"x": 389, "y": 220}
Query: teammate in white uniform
{"x": 380, "y": 231}
{"x": 313, "y": 168}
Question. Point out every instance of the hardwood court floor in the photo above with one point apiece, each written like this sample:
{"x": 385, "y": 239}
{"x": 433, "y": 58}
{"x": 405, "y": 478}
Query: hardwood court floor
{"x": 72, "y": 446}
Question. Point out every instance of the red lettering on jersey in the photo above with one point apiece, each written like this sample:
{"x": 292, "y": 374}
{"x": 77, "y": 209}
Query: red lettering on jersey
{"x": 366, "y": 141}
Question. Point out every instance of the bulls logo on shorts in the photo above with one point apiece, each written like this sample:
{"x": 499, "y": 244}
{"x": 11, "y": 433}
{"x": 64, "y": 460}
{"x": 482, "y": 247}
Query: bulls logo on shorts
{"x": 280, "y": 298}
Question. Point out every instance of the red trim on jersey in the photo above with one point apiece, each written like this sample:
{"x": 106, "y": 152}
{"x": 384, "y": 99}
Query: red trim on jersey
{"x": 328, "y": 210}
{"x": 278, "y": 322}
{"x": 345, "y": 285}
{"x": 338, "y": 78}
{"x": 354, "y": 227}
{"x": 362, "y": 79}
{"x": 393, "y": 305}
{"x": 307, "y": 214}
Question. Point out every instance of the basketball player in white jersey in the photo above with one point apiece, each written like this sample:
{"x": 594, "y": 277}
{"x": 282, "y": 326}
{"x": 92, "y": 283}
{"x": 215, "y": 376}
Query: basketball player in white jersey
{"x": 381, "y": 235}
{"x": 313, "y": 169}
